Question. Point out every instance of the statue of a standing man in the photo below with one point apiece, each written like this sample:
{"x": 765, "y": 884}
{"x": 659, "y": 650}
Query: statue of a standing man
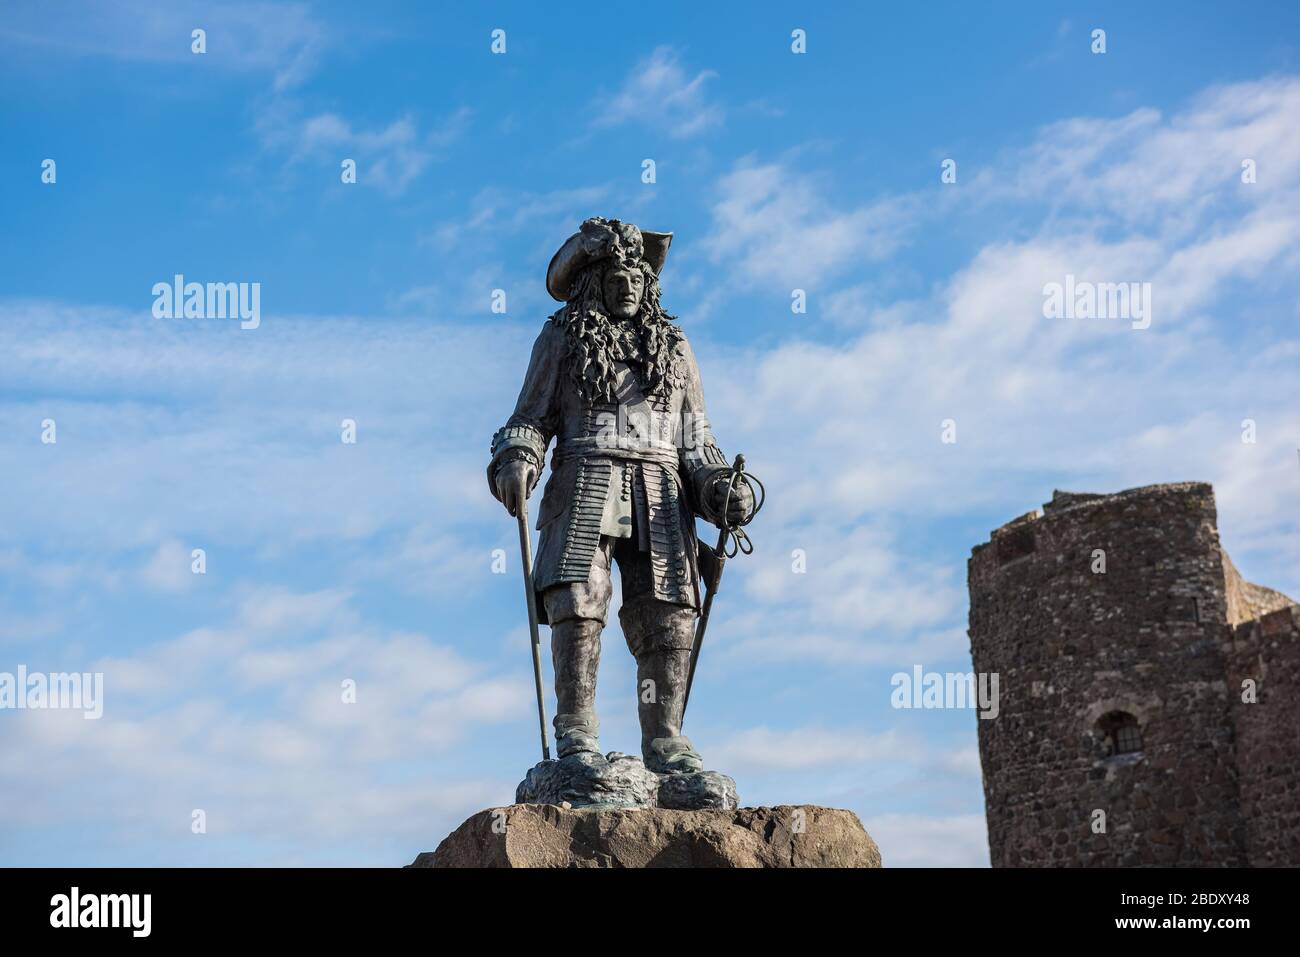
{"x": 615, "y": 383}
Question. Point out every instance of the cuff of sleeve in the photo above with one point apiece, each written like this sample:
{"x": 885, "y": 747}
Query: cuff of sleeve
{"x": 519, "y": 437}
{"x": 515, "y": 442}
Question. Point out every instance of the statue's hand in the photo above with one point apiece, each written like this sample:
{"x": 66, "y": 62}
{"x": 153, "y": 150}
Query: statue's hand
{"x": 740, "y": 504}
{"x": 514, "y": 481}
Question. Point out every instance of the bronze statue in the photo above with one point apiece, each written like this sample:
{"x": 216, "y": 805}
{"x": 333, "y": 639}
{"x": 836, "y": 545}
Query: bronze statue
{"x": 613, "y": 380}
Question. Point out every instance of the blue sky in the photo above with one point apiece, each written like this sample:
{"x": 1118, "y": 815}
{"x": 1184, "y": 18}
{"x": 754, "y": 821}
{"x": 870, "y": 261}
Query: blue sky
{"x": 777, "y": 172}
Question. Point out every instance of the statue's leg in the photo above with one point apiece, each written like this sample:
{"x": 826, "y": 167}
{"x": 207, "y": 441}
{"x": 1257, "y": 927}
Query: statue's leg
{"x": 659, "y": 635}
{"x": 577, "y": 613}
{"x": 575, "y": 651}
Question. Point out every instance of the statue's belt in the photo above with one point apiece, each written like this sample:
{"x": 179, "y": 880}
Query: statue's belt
{"x": 662, "y": 453}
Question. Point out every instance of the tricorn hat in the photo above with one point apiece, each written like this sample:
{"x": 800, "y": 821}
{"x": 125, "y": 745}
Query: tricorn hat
{"x": 600, "y": 238}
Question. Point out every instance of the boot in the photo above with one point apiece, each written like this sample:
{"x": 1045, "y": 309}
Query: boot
{"x": 575, "y": 653}
{"x": 576, "y": 734}
{"x": 661, "y": 691}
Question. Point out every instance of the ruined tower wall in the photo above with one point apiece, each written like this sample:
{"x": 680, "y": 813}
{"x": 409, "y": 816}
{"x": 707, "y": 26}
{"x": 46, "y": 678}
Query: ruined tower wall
{"x": 1267, "y": 652}
{"x": 1070, "y": 646}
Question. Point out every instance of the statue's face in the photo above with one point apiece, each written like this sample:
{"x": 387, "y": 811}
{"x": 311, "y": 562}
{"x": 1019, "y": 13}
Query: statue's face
{"x": 623, "y": 290}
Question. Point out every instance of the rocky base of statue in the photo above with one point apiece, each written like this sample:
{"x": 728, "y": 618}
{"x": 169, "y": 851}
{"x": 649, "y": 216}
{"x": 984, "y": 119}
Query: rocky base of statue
{"x": 618, "y": 780}
{"x": 543, "y": 835}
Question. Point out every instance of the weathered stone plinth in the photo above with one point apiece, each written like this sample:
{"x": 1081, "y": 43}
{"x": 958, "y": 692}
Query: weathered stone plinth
{"x": 618, "y": 780}
{"x": 541, "y": 835}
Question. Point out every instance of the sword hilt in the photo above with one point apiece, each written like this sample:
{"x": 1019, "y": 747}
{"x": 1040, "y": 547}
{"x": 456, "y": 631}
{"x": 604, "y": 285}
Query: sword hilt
{"x": 733, "y": 540}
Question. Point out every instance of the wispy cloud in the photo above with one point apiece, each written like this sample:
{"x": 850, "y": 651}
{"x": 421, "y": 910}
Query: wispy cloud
{"x": 300, "y": 772}
{"x": 283, "y": 40}
{"x": 170, "y": 568}
{"x": 921, "y": 840}
{"x": 776, "y": 226}
{"x": 373, "y": 562}
{"x": 660, "y": 92}
{"x": 1157, "y": 174}
{"x": 389, "y": 158}
{"x": 1036, "y": 403}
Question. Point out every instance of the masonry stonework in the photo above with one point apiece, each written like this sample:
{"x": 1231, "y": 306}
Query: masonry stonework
{"x": 1127, "y": 648}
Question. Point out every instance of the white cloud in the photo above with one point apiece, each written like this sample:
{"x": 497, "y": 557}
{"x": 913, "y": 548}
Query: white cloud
{"x": 19, "y": 629}
{"x": 170, "y": 568}
{"x": 660, "y": 92}
{"x": 1037, "y": 402}
{"x": 247, "y": 721}
{"x": 777, "y": 228}
{"x": 1152, "y": 173}
{"x": 283, "y": 40}
{"x": 494, "y": 212}
{"x": 803, "y": 749}
{"x": 389, "y": 158}
{"x": 183, "y": 394}
{"x": 246, "y": 713}
{"x": 843, "y": 768}
{"x": 919, "y": 840}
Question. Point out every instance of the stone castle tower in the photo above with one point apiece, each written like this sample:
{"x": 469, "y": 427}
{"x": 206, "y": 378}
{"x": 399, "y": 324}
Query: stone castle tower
{"x": 1149, "y": 697}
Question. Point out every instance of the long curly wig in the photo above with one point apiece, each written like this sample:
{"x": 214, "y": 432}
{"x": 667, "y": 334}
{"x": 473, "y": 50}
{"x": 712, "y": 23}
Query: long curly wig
{"x": 596, "y": 342}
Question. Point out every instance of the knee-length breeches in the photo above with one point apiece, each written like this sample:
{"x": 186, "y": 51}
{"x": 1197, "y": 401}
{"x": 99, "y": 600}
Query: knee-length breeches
{"x": 649, "y": 623}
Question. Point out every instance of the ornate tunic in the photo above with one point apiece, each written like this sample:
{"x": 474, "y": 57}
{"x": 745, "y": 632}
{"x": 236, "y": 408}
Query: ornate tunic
{"x": 633, "y": 466}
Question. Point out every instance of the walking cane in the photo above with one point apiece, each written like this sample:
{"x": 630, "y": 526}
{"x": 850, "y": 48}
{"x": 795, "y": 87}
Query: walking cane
{"x": 731, "y": 541}
{"x": 526, "y": 549}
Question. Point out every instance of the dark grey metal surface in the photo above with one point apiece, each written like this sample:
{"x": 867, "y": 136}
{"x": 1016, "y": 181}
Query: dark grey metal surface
{"x": 613, "y": 382}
